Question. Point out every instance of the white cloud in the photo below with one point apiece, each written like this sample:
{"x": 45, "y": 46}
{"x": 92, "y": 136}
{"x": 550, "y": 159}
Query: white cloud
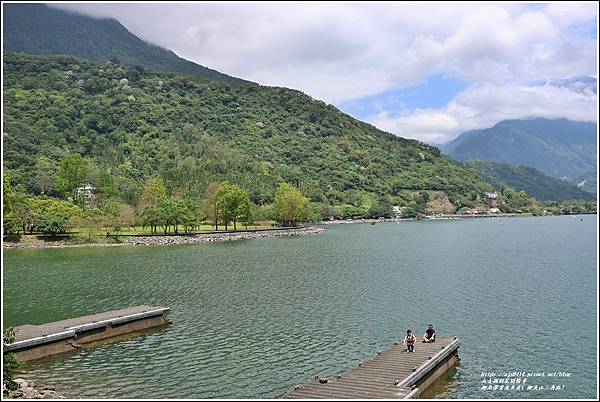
{"x": 482, "y": 105}
{"x": 340, "y": 52}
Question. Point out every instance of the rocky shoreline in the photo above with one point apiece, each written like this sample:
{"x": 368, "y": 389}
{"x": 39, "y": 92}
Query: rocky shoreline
{"x": 172, "y": 239}
{"x": 29, "y": 390}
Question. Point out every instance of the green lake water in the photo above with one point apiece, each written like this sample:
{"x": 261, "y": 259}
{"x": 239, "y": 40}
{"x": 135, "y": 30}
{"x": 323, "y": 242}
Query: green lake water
{"x": 253, "y": 318}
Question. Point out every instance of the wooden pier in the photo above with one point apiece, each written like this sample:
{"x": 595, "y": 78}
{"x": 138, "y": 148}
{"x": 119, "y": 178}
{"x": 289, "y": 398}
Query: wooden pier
{"x": 391, "y": 374}
{"x": 37, "y": 341}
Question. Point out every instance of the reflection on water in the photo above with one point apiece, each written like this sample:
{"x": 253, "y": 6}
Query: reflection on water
{"x": 445, "y": 386}
{"x": 253, "y": 318}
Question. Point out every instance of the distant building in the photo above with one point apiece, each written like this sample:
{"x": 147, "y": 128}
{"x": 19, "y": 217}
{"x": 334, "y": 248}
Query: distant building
{"x": 86, "y": 194}
{"x": 398, "y": 211}
{"x": 492, "y": 199}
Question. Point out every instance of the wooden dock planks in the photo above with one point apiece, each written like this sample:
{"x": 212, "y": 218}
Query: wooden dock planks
{"x": 37, "y": 341}
{"x": 376, "y": 378}
{"x": 25, "y": 332}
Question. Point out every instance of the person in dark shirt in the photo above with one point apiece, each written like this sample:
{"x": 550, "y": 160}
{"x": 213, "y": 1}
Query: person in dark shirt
{"x": 429, "y": 335}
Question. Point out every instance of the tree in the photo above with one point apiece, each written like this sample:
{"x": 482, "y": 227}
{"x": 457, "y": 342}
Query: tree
{"x": 167, "y": 214}
{"x": 110, "y": 217}
{"x": 127, "y": 214}
{"x": 244, "y": 210}
{"x": 175, "y": 212}
{"x": 9, "y": 361}
{"x": 382, "y": 208}
{"x": 23, "y": 209}
{"x": 45, "y": 175}
{"x": 226, "y": 201}
{"x": 234, "y": 204}
{"x": 86, "y": 223}
{"x": 72, "y": 174}
{"x": 52, "y": 216}
{"x": 290, "y": 205}
{"x": 10, "y": 221}
{"x": 211, "y": 206}
{"x": 153, "y": 195}
{"x": 105, "y": 186}
{"x": 188, "y": 216}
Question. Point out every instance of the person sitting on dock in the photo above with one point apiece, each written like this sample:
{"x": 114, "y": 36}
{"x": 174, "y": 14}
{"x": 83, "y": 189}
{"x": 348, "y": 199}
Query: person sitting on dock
{"x": 409, "y": 341}
{"x": 429, "y": 335}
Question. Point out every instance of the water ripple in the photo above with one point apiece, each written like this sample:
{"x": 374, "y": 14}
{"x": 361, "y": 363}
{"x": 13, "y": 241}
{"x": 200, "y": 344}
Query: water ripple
{"x": 252, "y": 319}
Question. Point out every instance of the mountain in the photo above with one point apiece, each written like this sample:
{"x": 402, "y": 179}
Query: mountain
{"x": 583, "y": 85}
{"x": 192, "y": 131}
{"x": 39, "y": 29}
{"x": 559, "y": 148}
{"x": 586, "y": 182}
{"x": 528, "y": 179}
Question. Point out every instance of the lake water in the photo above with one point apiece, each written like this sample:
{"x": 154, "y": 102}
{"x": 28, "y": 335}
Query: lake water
{"x": 253, "y": 318}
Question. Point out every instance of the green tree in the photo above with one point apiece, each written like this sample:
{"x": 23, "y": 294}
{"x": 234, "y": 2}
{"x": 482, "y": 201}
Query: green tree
{"x": 53, "y": 216}
{"x": 188, "y": 215}
{"x": 290, "y": 205}
{"x": 382, "y": 208}
{"x": 233, "y": 203}
{"x": 9, "y": 361}
{"x": 24, "y": 212}
{"x": 175, "y": 212}
{"x": 111, "y": 218}
{"x": 105, "y": 186}
{"x": 515, "y": 201}
{"x": 72, "y": 174}
{"x": 153, "y": 195}
{"x": 167, "y": 214}
{"x": 227, "y": 202}
{"x": 45, "y": 175}
{"x": 244, "y": 210}
{"x": 211, "y": 205}
{"x": 10, "y": 222}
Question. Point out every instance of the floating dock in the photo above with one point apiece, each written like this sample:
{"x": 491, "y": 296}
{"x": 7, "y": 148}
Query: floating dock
{"x": 392, "y": 374}
{"x": 37, "y": 341}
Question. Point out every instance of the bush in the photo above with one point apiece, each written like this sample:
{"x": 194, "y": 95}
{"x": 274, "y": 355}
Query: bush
{"x": 9, "y": 361}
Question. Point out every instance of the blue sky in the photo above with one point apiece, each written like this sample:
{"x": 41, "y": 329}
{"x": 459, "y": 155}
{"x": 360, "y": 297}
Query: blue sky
{"x": 435, "y": 92}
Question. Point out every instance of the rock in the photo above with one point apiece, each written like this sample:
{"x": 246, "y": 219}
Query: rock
{"x": 28, "y": 390}
{"x": 49, "y": 388}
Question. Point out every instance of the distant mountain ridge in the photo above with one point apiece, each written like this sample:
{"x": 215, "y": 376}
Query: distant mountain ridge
{"x": 528, "y": 179}
{"x": 583, "y": 84}
{"x": 561, "y": 148}
{"x": 42, "y": 30}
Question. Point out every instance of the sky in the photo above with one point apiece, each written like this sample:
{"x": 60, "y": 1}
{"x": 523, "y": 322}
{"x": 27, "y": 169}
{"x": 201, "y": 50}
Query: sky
{"x": 428, "y": 71}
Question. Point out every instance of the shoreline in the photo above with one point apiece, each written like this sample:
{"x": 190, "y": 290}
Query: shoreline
{"x": 158, "y": 239}
{"x": 29, "y": 389}
{"x": 155, "y": 240}
{"x": 437, "y": 217}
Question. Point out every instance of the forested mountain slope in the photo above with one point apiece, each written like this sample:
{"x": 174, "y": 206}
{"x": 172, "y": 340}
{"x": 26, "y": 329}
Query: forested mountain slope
{"x": 192, "y": 131}
{"x": 528, "y": 179}
{"x": 560, "y": 148}
{"x": 39, "y": 29}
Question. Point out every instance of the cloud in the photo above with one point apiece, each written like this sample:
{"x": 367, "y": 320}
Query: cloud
{"x": 482, "y": 105}
{"x": 347, "y": 52}
{"x": 340, "y": 52}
